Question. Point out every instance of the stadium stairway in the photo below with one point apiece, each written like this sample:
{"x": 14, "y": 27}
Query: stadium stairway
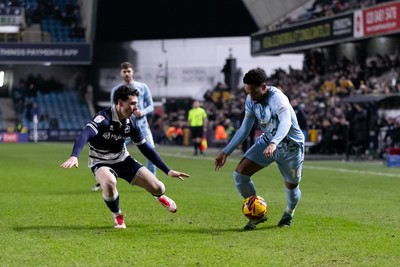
{"x": 8, "y": 115}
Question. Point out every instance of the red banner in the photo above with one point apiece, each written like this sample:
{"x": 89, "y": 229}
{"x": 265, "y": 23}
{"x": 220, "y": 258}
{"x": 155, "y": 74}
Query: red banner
{"x": 10, "y": 138}
{"x": 381, "y": 19}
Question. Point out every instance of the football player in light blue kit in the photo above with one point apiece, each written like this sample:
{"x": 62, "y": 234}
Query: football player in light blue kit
{"x": 282, "y": 142}
{"x": 144, "y": 107}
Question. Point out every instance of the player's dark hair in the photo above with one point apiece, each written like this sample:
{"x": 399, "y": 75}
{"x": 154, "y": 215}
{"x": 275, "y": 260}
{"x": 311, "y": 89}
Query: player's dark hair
{"x": 123, "y": 92}
{"x": 255, "y": 77}
{"x": 125, "y": 65}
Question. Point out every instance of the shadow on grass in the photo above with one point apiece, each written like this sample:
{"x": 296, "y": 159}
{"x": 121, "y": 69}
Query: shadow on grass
{"x": 60, "y": 227}
{"x": 202, "y": 230}
{"x": 198, "y": 230}
{"x": 233, "y": 230}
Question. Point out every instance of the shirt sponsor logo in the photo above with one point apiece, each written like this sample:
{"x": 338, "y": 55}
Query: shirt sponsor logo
{"x": 116, "y": 137}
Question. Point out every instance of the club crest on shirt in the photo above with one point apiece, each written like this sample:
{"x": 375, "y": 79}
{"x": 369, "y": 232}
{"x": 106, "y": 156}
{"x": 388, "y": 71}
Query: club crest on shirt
{"x": 264, "y": 115}
{"x": 99, "y": 118}
{"x": 127, "y": 129}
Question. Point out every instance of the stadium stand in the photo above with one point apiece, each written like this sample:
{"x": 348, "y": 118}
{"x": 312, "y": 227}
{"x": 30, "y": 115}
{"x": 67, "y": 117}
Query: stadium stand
{"x": 56, "y": 110}
{"x": 45, "y": 21}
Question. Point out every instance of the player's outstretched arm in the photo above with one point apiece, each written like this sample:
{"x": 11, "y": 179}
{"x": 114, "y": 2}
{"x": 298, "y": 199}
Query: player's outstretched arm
{"x": 220, "y": 160}
{"x": 70, "y": 162}
{"x": 80, "y": 142}
{"x": 180, "y": 175}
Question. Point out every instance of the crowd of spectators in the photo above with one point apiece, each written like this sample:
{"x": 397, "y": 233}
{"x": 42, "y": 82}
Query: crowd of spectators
{"x": 324, "y": 8}
{"x": 316, "y": 92}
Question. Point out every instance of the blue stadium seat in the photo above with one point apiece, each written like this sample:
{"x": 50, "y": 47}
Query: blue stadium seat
{"x": 64, "y": 106}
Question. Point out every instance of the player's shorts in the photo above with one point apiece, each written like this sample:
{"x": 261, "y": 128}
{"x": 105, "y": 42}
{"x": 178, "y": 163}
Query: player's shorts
{"x": 126, "y": 169}
{"x": 289, "y": 157}
{"x": 197, "y": 132}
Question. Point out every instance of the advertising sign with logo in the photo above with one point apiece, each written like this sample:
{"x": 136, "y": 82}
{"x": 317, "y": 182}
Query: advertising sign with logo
{"x": 55, "y": 53}
{"x": 330, "y": 30}
{"x": 378, "y": 20}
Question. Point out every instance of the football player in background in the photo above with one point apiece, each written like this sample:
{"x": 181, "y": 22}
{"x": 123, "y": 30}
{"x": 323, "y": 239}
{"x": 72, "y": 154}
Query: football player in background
{"x": 110, "y": 159}
{"x": 282, "y": 141}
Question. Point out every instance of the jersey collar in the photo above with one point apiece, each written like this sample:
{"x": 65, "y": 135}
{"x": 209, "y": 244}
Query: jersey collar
{"x": 114, "y": 116}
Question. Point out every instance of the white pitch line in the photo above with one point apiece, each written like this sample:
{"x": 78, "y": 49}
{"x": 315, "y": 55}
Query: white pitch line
{"x": 306, "y": 166}
{"x": 352, "y": 171}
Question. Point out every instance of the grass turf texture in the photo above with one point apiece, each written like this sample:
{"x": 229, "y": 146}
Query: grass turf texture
{"x": 348, "y": 216}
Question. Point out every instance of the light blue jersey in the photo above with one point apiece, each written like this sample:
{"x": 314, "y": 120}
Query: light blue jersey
{"x": 277, "y": 120}
{"x": 267, "y": 113}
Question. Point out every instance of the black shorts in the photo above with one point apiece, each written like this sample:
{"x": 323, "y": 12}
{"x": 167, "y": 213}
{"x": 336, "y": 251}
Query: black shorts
{"x": 197, "y": 132}
{"x": 126, "y": 169}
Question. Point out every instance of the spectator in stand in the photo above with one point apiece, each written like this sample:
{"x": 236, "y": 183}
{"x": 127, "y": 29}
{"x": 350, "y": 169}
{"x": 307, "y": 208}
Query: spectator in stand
{"x": 358, "y": 130}
{"x": 221, "y": 136}
{"x": 346, "y": 86}
{"x": 362, "y": 89}
{"x": 301, "y": 117}
{"x": 179, "y": 135}
{"x": 175, "y": 134}
{"x": 392, "y": 136}
{"x": 335, "y": 137}
{"x": 230, "y": 130}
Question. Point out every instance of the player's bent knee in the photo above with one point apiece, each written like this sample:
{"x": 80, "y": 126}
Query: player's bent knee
{"x": 290, "y": 185}
{"x": 106, "y": 178}
{"x": 159, "y": 188}
{"x": 240, "y": 178}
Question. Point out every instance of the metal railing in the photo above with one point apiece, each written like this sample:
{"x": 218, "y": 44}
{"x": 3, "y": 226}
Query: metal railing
{"x": 26, "y": 37}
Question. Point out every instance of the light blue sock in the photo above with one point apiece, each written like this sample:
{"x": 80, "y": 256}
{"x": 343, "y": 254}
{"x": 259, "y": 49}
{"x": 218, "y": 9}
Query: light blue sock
{"x": 292, "y": 198}
{"x": 244, "y": 185}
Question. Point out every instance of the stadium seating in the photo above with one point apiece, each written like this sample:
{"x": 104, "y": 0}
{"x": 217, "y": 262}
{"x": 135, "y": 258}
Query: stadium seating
{"x": 59, "y": 32}
{"x": 63, "y": 108}
{"x": 61, "y": 20}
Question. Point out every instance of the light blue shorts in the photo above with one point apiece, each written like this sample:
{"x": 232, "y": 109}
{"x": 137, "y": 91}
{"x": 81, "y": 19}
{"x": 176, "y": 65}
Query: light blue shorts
{"x": 289, "y": 157}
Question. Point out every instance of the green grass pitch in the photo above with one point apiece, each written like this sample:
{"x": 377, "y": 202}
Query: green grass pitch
{"x": 349, "y": 214}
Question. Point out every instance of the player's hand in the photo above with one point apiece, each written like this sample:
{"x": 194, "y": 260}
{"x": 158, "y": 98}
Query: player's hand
{"x": 138, "y": 113}
{"x": 269, "y": 151}
{"x": 70, "y": 162}
{"x": 220, "y": 160}
{"x": 180, "y": 175}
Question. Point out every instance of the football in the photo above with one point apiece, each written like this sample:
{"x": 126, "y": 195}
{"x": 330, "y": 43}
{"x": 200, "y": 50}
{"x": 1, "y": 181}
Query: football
{"x": 254, "y": 207}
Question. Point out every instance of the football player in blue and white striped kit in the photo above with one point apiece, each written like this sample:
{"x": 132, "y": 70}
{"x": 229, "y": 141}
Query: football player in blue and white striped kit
{"x": 109, "y": 158}
{"x": 282, "y": 142}
{"x": 145, "y": 106}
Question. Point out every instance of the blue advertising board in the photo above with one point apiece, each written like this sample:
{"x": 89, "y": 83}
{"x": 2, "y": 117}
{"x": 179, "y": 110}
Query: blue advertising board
{"x": 54, "y": 53}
